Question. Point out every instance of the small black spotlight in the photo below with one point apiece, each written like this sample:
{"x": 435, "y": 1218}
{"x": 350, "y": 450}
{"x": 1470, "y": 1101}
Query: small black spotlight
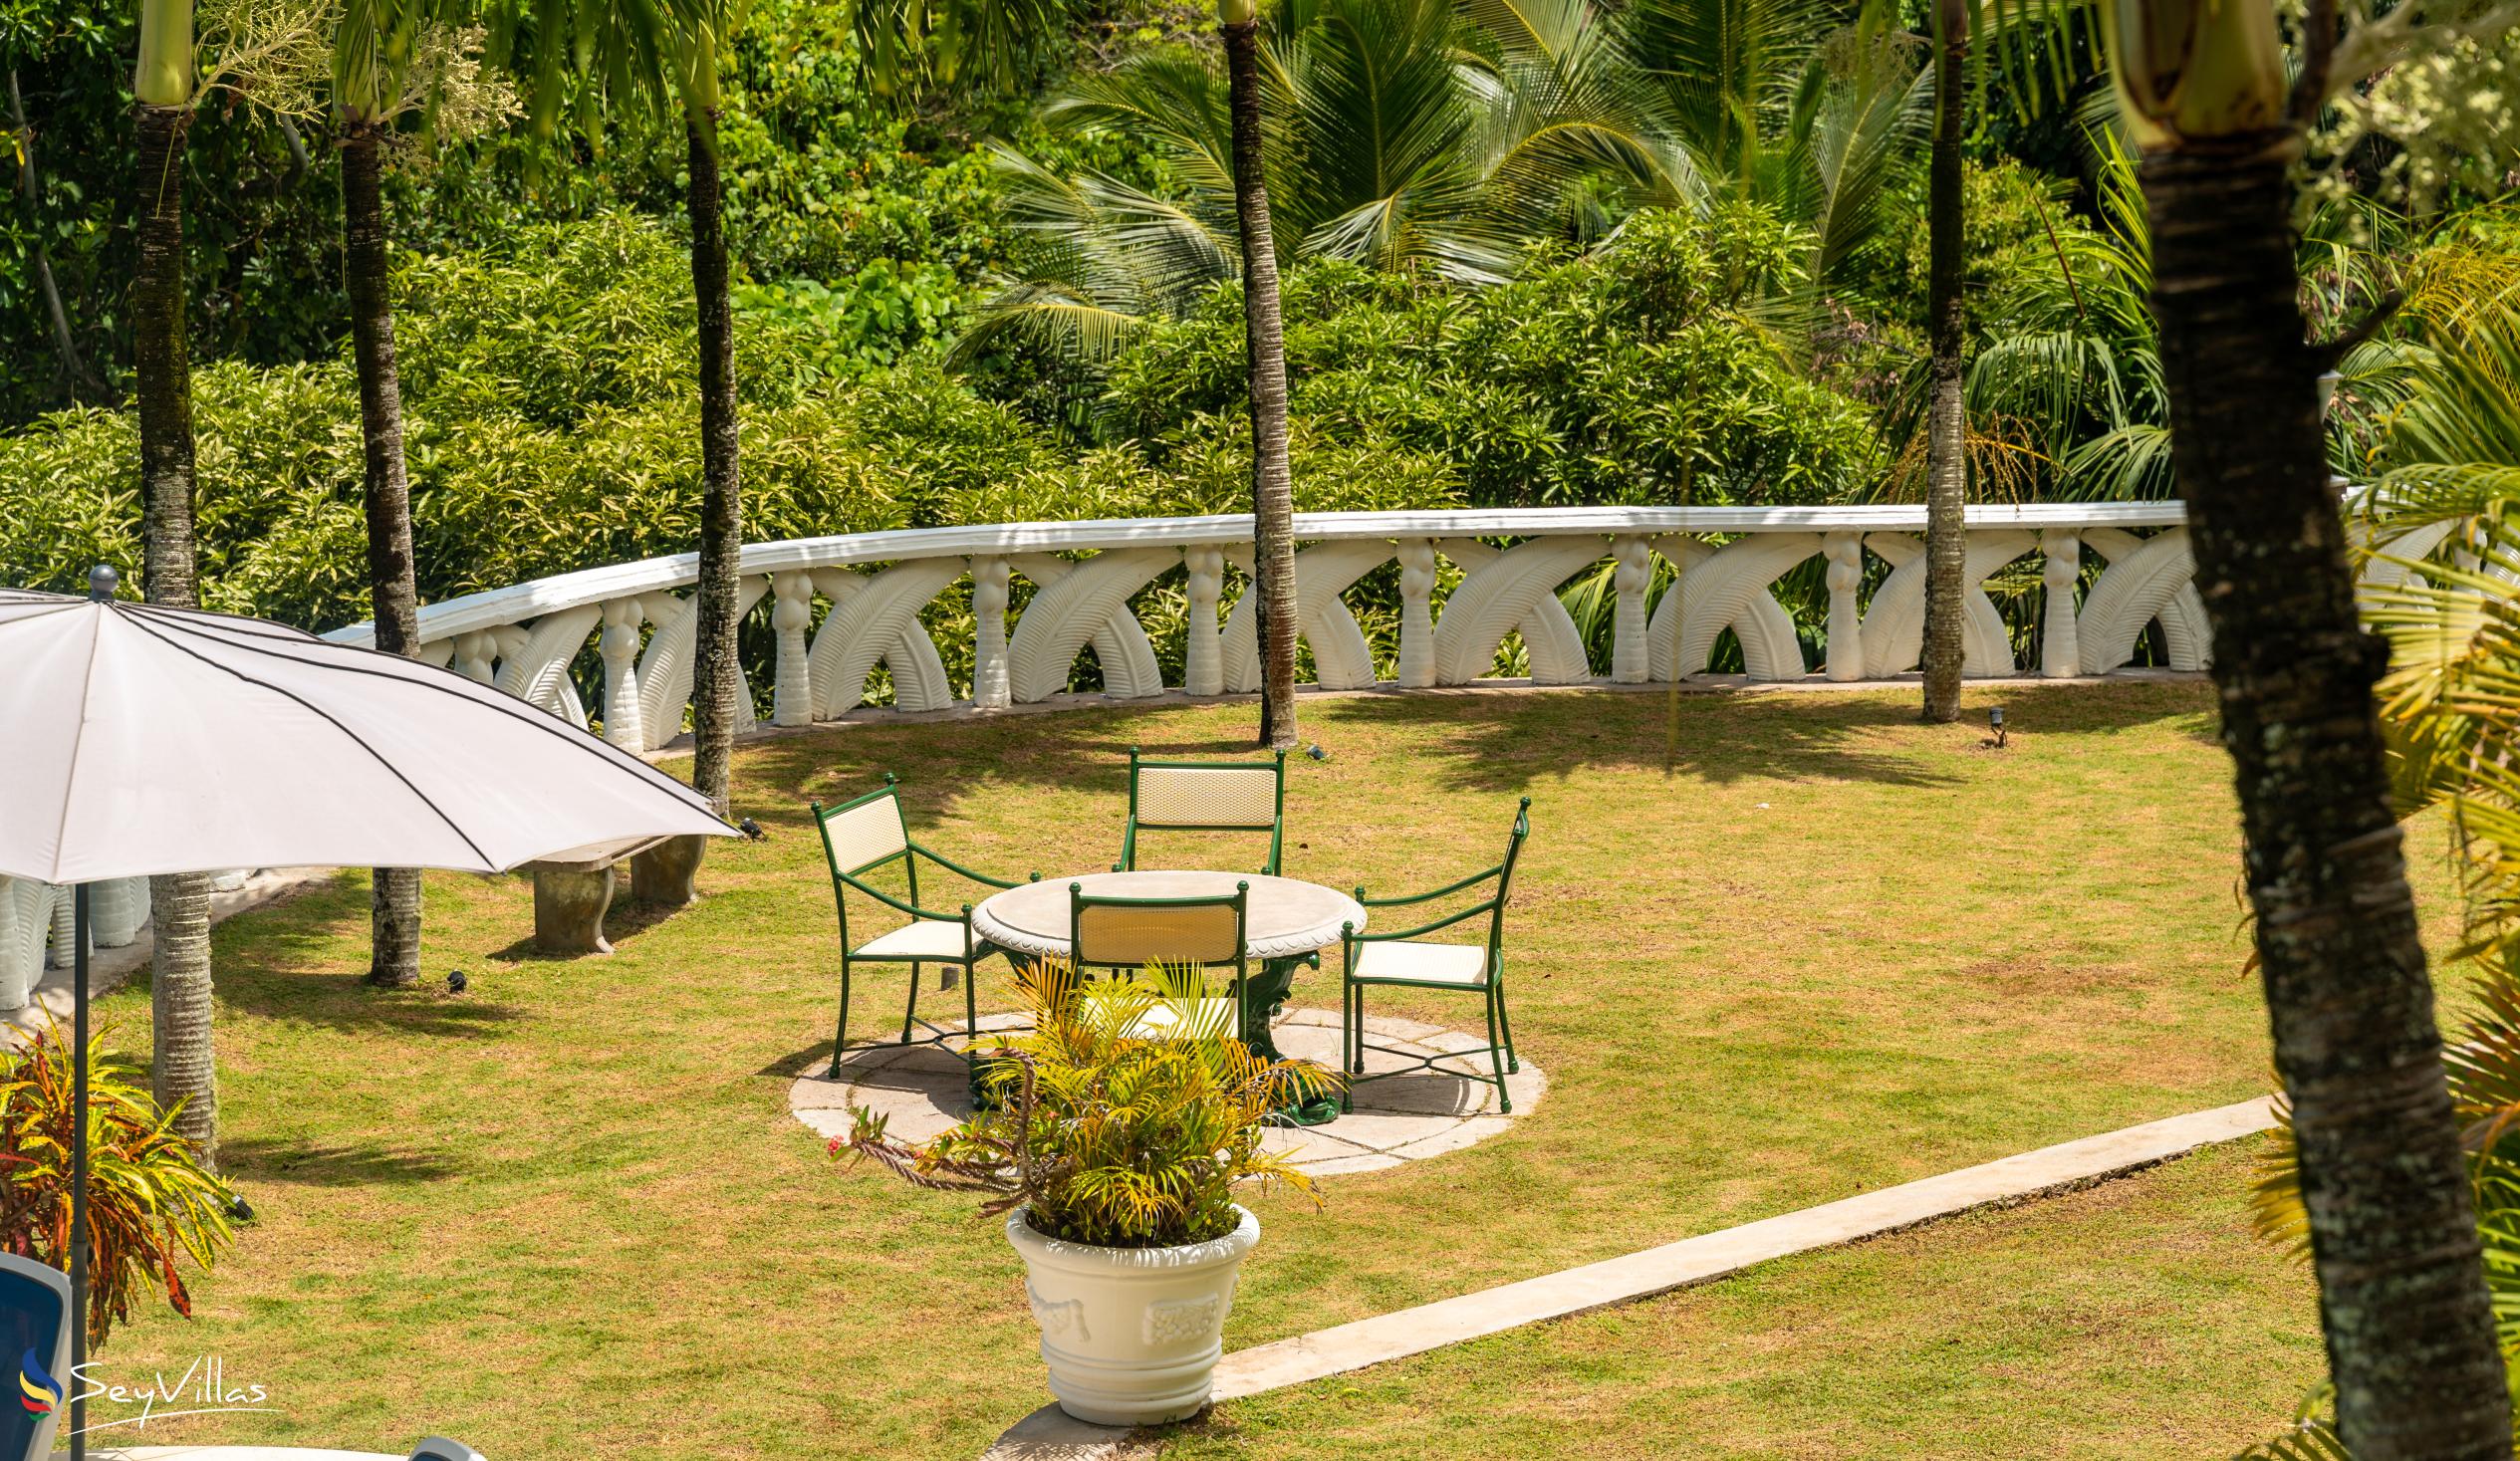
{"x": 752, "y": 830}
{"x": 1995, "y": 723}
{"x": 1316, "y": 752}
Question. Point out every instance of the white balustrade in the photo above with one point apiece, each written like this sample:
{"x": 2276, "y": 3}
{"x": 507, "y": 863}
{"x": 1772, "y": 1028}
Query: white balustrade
{"x": 875, "y": 590}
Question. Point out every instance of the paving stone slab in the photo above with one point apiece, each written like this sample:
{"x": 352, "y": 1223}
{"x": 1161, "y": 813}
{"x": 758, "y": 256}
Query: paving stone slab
{"x": 1477, "y": 1130}
{"x": 1052, "y": 1434}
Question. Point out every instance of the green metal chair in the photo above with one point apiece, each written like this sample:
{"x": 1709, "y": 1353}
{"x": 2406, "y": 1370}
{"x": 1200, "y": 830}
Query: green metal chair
{"x": 1398, "y": 960}
{"x": 1205, "y": 932}
{"x": 1205, "y": 796}
{"x": 866, "y": 835}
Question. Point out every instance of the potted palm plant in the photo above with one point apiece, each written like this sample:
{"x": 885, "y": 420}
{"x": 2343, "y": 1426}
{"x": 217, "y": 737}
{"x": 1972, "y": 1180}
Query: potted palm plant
{"x": 1119, "y": 1131}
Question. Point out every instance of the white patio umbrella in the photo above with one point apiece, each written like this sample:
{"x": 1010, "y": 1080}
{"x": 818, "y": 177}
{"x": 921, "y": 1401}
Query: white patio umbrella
{"x": 137, "y": 739}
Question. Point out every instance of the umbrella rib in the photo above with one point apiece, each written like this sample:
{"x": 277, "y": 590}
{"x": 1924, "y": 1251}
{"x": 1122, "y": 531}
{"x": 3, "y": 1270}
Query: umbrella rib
{"x": 531, "y": 716}
{"x": 145, "y": 627}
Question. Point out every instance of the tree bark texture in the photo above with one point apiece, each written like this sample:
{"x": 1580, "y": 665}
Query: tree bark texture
{"x": 393, "y": 898}
{"x": 1272, "y": 489}
{"x": 1946, "y": 414}
{"x": 2401, "y": 1294}
{"x": 183, "y": 1066}
{"x": 716, "y": 675}
{"x": 184, "y": 1059}
{"x": 162, "y": 368}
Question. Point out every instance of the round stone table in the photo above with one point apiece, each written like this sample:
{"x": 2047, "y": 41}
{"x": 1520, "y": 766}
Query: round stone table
{"x": 1286, "y": 922}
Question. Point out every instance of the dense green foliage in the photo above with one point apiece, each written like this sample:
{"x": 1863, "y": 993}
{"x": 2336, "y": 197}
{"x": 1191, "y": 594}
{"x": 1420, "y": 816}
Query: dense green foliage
{"x": 1647, "y": 376}
{"x": 262, "y": 225}
{"x": 1550, "y": 253}
{"x": 550, "y": 427}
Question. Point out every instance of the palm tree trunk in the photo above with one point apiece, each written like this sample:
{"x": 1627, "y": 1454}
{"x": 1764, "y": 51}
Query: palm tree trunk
{"x": 2401, "y": 1295}
{"x": 1272, "y": 490}
{"x": 1947, "y": 417}
{"x": 394, "y": 907}
{"x": 716, "y": 676}
{"x": 184, "y": 1065}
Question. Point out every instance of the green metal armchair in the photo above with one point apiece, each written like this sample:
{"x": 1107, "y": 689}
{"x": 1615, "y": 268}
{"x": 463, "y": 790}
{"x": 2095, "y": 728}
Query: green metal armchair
{"x": 1398, "y": 960}
{"x": 1205, "y": 932}
{"x": 1205, "y": 796}
{"x": 866, "y": 835}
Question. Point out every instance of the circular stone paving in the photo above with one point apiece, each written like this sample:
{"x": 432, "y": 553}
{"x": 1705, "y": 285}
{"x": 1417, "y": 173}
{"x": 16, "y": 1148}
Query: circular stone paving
{"x": 1404, "y": 1119}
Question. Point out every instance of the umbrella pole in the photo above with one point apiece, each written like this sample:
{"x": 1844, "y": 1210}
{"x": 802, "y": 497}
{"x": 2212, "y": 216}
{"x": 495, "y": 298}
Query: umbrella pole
{"x": 78, "y": 1174}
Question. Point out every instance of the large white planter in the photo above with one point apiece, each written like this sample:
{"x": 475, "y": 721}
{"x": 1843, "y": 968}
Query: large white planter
{"x": 1131, "y": 1334}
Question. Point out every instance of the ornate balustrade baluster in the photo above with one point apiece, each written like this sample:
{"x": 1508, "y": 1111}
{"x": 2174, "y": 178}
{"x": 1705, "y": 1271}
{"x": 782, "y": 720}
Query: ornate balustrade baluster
{"x": 623, "y": 725}
{"x": 1630, "y": 658}
{"x": 117, "y": 911}
{"x": 1203, "y": 655}
{"x": 1417, "y": 613}
{"x": 1845, "y": 552}
{"x": 26, "y": 920}
{"x": 990, "y": 687}
{"x": 65, "y": 932}
{"x": 791, "y": 615}
{"x": 2060, "y": 649}
{"x": 476, "y": 656}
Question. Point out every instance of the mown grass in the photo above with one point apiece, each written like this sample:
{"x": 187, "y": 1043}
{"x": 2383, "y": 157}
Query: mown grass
{"x": 2134, "y": 1319}
{"x": 568, "y": 1214}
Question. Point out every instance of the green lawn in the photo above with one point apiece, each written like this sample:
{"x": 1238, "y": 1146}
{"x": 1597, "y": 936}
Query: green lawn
{"x": 2135, "y": 1319}
{"x": 569, "y": 1215}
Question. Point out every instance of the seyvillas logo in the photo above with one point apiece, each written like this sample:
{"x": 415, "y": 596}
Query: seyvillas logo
{"x": 37, "y": 1391}
{"x": 202, "y": 1389}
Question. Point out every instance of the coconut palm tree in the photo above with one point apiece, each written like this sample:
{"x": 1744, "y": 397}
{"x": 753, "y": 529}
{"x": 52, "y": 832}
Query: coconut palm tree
{"x": 390, "y": 59}
{"x": 1946, "y": 414}
{"x": 372, "y": 55}
{"x": 664, "y": 54}
{"x": 1411, "y": 134}
{"x": 2204, "y": 91}
{"x": 1272, "y": 489}
{"x": 1388, "y": 132}
{"x": 1812, "y": 107}
{"x": 717, "y": 683}
{"x": 185, "y": 1068}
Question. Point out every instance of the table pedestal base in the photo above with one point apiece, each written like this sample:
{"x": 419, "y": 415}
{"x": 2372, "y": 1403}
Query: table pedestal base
{"x": 1263, "y": 995}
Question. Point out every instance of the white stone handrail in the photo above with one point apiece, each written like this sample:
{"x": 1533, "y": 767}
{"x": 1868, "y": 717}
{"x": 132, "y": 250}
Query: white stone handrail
{"x": 497, "y": 608}
{"x": 872, "y": 589}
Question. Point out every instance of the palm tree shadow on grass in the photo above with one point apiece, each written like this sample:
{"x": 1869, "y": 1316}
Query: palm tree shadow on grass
{"x": 275, "y": 1160}
{"x": 1726, "y": 738}
{"x": 1486, "y": 741}
{"x": 295, "y": 973}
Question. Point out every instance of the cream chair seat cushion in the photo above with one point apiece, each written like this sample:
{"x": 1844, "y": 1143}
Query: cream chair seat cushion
{"x": 1461, "y": 964}
{"x": 928, "y": 938}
